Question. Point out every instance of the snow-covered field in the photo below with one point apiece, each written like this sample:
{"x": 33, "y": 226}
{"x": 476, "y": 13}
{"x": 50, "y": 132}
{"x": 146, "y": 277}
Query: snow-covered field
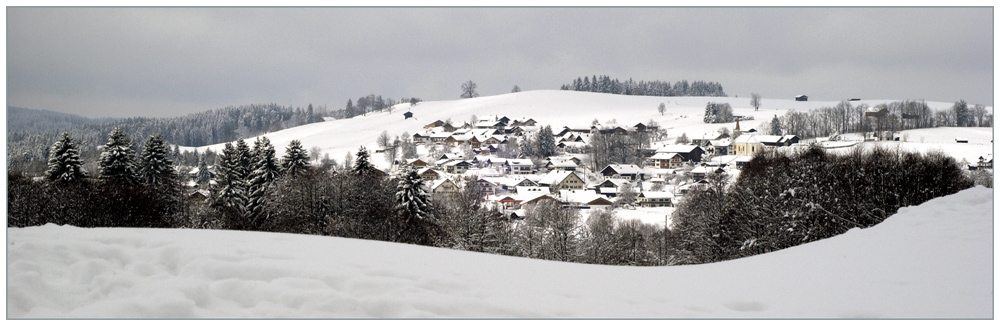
{"x": 930, "y": 261}
{"x": 547, "y": 107}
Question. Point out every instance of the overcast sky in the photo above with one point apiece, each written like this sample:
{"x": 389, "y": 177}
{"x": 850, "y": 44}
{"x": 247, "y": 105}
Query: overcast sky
{"x": 172, "y": 61}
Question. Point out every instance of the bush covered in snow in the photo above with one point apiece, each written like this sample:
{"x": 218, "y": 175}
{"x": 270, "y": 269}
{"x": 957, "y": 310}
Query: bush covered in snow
{"x": 781, "y": 200}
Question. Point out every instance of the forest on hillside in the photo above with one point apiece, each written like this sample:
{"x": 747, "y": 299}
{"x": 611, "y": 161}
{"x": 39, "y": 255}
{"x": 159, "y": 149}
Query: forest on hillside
{"x": 30, "y": 133}
{"x": 604, "y": 84}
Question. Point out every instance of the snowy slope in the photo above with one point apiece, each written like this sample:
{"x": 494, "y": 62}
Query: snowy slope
{"x": 547, "y": 107}
{"x": 930, "y": 261}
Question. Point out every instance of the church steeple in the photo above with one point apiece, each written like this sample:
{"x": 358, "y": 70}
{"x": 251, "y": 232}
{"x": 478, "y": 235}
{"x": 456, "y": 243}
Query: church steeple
{"x": 737, "y": 131}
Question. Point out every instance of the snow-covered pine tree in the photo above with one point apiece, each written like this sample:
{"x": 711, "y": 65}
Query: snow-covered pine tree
{"x": 296, "y": 160}
{"x": 775, "y": 126}
{"x": 231, "y": 177}
{"x": 362, "y": 165}
{"x": 265, "y": 170}
{"x": 265, "y": 166}
{"x": 155, "y": 167}
{"x": 412, "y": 200}
{"x": 204, "y": 176}
{"x": 64, "y": 161}
{"x": 117, "y": 162}
{"x": 546, "y": 142}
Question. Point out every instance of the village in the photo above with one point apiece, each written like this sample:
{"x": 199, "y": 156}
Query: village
{"x": 647, "y": 191}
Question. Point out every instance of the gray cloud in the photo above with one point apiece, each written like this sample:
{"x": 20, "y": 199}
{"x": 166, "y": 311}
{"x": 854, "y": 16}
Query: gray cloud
{"x": 173, "y": 61}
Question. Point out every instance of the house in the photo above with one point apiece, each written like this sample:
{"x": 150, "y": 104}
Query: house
{"x": 416, "y": 162}
{"x": 626, "y": 171}
{"x": 439, "y": 138}
{"x": 420, "y": 138}
{"x": 687, "y": 152}
{"x": 985, "y": 162}
{"x": 457, "y": 166}
{"x": 567, "y": 165}
{"x": 742, "y": 161}
{"x": 616, "y": 130}
{"x": 801, "y": 98}
{"x": 641, "y": 127}
{"x": 437, "y": 123}
{"x": 200, "y": 195}
{"x": 699, "y": 172}
{"x": 559, "y": 180}
{"x": 443, "y": 187}
{"x": 656, "y": 199}
{"x": 611, "y": 187}
{"x": 519, "y": 166}
{"x": 666, "y": 160}
{"x": 430, "y": 174}
{"x": 533, "y": 195}
{"x": 407, "y": 115}
{"x": 583, "y": 199}
{"x": 721, "y": 146}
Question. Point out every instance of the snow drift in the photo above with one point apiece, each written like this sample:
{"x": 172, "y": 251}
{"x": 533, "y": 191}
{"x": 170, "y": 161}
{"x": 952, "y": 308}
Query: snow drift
{"x": 934, "y": 260}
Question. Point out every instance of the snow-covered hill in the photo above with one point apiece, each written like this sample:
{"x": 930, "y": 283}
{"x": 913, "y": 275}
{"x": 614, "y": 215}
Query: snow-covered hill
{"x": 547, "y": 107}
{"x": 930, "y": 261}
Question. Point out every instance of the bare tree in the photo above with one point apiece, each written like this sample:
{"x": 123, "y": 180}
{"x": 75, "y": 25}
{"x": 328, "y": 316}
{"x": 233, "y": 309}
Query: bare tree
{"x": 469, "y": 90}
{"x": 755, "y": 101}
{"x": 516, "y": 89}
{"x": 662, "y": 108}
{"x": 314, "y": 153}
{"x": 384, "y": 140}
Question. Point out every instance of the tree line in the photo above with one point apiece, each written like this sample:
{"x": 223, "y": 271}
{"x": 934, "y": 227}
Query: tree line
{"x": 785, "y": 199}
{"x": 28, "y": 147}
{"x": 604, "y": 84}
{"x": 900, "y": 115}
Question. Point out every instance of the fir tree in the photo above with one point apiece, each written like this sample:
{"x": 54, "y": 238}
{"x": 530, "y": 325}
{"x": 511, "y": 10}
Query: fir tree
{"x": 412, "y": 200}
{"x": 296, "y": 160}
{"x": 546, "y": 142}
{"x": 117, "y": 162}
{"x": 155, "y": 167}
{"x": 362, "y": 165}
{"x": 265, "y": 166}
{"x": 232, "y": 177}
{"x": 775, "y": 126}
{"x": 64, "y": 161}
{"x": 203, "y": 175}
{"x": 265, "y": 170}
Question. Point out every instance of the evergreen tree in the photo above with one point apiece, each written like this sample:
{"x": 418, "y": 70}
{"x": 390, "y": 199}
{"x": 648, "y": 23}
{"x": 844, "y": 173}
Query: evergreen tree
{"x": 265, "y": 171}
{"x": 203, "y": 175}
{"x": 546, "y": 142}
{"x": 412, "y": 200}
{"x": 265, "y": 165}
{"x": 310, "y": 114}
{"x": 961, "y": 111}
{"x": 362, "y": 165}
{"x": 155, "y": 167}
{"x": 296, "y": 160}
{"x": 775, "y": 126}
{"x": 64, "y": 161}
{"x": 232, "y": 173}
{"x": 117, "y": 162}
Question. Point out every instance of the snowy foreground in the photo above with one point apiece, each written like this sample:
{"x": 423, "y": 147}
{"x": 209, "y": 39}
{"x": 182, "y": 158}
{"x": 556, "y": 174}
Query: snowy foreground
{"x": 930, "y": 261}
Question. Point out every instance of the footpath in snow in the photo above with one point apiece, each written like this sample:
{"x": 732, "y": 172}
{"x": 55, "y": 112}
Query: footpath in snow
{"x": 930, "y": 261}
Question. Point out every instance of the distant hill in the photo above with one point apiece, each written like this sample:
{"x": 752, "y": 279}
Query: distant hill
{"x": 19, "y": 119}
